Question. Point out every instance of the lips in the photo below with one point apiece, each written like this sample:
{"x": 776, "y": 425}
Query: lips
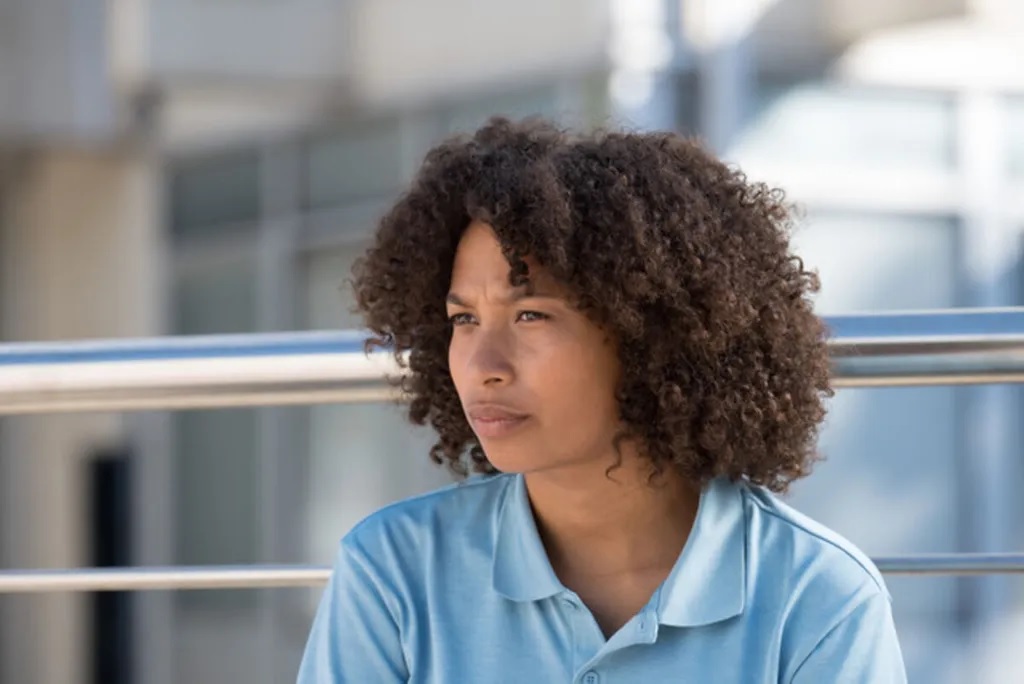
{"x": 494, "y": 420}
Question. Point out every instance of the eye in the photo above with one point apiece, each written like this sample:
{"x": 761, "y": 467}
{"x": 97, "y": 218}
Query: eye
{"x": 460, "y": 319}
{"x": 531, "y": 316}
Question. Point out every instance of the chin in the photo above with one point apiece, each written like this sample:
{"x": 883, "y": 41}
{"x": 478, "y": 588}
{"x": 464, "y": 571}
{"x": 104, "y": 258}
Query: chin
{"x": 512, "y": 460}
{"x": 512, "y": 464}
{"x": 522, "y": 461}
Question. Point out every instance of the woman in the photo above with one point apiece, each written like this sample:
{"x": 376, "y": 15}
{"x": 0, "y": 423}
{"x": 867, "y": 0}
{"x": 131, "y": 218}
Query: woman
{"x": 610, "y": 330}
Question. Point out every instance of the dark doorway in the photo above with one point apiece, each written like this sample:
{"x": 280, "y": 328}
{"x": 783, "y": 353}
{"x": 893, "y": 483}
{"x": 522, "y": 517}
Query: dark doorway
{"x": 111, "y": 612}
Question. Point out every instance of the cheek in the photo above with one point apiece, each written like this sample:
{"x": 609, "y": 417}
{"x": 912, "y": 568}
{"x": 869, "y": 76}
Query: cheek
{"x": 581, "y": 384}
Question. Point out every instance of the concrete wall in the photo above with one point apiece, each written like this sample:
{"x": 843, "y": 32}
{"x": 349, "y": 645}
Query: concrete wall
{"x": 80, "y": 259}
{"x": 261, "y": 42}
{"x": 223, "y": 84}
{"x": 55, "y": 80}
{"x": 403, "y": 49}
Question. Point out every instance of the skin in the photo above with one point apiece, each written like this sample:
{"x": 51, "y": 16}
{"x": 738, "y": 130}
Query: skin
{"x": 537, "y": 380}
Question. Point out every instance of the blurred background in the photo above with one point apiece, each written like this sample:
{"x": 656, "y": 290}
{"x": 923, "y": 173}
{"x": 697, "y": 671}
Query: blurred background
{"x": 214, "y": 166}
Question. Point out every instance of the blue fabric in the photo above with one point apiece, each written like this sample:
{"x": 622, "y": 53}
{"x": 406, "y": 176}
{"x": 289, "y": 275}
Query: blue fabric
{"x": 454, "y": 586}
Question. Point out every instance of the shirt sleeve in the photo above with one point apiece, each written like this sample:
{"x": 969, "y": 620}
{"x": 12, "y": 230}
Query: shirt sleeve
{"x": 861, "y": 649}
{"x": 355, "y": 637}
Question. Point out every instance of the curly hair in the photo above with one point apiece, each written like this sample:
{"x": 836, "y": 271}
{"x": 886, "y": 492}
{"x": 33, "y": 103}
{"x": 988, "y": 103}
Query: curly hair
{"x": 725, "y": 367}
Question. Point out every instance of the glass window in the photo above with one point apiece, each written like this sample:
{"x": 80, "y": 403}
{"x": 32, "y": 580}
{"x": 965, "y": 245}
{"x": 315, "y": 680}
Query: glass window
{"x": 362, "y": 161}
{"x": 847, "y": 125}
{"x": 470, "y": 114}
{"x": 214, "y": 191}
{"x": 217, "y": 509}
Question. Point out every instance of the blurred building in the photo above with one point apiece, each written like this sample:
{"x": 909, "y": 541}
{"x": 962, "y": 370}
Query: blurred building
{"x": 192, "y": 167}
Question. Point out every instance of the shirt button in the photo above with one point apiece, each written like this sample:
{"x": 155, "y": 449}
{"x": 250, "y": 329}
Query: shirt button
{"x": 591, "y": 677}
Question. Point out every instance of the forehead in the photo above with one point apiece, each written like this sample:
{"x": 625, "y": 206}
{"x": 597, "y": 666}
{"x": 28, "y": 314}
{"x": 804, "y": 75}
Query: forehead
{"x": 480, "y": 262}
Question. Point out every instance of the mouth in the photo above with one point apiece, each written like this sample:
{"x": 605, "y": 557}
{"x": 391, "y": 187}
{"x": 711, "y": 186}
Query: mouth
{"x": 490, "y": 421}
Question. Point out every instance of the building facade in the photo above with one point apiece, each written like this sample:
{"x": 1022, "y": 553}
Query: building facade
{"x": 186, "y": 167}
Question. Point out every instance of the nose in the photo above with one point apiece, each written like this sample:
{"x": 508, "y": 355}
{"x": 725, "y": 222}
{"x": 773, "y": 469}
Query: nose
{"x": 489, "y": 358}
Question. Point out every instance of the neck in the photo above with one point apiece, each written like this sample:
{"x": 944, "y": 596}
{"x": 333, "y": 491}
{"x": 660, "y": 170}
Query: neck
{"x": 612, "y": 523}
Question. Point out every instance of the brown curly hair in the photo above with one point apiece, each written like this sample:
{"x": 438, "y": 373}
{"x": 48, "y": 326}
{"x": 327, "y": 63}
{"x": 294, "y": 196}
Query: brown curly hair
{"x": 724, "y": 364}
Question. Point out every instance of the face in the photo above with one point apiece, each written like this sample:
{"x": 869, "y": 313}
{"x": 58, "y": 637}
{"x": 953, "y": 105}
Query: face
{"x": 536, "y": 378}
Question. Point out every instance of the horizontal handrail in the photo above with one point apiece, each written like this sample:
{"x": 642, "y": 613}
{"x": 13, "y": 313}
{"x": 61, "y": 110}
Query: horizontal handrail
{"x": 965, "y": 346}
{"x": 897, "y": 349}
{"x": 192, "y": 372}
{"x": 947, "y": 347}
{"x": 954, "y": 564}
{"x": 174, "y": 577}
{"x": 269, "y": 576}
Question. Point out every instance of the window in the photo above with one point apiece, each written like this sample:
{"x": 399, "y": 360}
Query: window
{"x": 357, "y": 163}
{"x": 466, "y": 116}
{"x": 209, "y": 193}
{"x": 216, "y": 462}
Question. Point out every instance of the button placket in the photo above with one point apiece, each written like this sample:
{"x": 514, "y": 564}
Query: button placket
{"x": 647, "y": 627}
{"x": 577, "y": 622}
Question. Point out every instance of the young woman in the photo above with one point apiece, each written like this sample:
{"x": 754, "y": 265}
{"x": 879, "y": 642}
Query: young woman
{"x": 609, "y": 329}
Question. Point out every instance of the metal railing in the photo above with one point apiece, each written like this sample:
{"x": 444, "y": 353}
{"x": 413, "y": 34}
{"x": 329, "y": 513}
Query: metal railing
{"x": 899, "y": 349}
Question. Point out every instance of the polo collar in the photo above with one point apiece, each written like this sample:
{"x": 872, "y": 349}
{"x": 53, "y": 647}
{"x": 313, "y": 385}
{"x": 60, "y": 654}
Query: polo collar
{"x": 708, "y": 582}
{"x": 522, "y": 571}
{"x": 706, "y": 585}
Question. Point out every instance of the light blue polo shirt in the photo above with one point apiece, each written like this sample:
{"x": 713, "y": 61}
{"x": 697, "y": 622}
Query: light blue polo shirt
{"x": 455, "y": 587}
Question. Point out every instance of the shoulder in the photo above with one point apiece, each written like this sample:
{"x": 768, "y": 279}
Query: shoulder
{"x": 417, "y": 525}
{"x": 815, "y": 581}
{"x": 791, "y": 543}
